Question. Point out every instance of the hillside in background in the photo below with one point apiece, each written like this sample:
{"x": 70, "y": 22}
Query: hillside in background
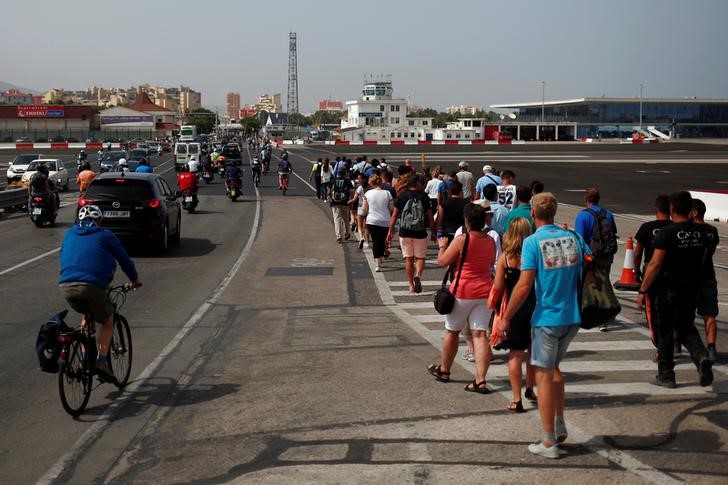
{"x": 4, "y": 86}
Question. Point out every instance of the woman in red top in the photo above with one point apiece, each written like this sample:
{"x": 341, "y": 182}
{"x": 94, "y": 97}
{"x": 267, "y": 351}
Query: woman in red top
{"x": 471, "y": 295}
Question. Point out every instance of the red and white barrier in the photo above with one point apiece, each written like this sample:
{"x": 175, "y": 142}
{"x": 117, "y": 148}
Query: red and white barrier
{"x": 56, "y": 146}
{"x": 426, "y": 142}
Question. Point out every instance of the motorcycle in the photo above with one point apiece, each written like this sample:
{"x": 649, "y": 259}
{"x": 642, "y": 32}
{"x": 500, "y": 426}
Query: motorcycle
{"x": 42, "y": 210}
{"x": 233, "y": 189}
{"x": 220, "y": 164}
{"x": 207, "y": 174}
{"x": 189, "y": 201}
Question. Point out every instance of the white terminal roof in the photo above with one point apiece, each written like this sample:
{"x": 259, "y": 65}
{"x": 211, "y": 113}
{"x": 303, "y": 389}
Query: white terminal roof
{"x": 600, "y": 100}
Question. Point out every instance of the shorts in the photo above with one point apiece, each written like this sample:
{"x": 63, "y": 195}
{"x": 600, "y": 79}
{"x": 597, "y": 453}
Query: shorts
{"x": 412, "y": 247}
{"x": 88, "y": 299}
{"x": 707, "y": 300}
{"x": 475, "y": 312}
{"x": 360, "y": 212}
{"x": 549, "y": 344}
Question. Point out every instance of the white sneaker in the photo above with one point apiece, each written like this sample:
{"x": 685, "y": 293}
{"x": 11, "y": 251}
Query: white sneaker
{"x": 366, "y": 245}
{"x": 377, "y": 269}
{"x": 551, "y": 452}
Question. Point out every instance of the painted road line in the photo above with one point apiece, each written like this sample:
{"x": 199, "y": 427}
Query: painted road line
{"x": 29, "y": 261}
{"x": 94, "y": 431}
{"x": 431, "y": 318}
{"x": 409, "y": 293}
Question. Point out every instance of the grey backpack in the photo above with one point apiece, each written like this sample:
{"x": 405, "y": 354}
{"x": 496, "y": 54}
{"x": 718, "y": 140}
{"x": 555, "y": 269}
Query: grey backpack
{"x": 413, "y": 216}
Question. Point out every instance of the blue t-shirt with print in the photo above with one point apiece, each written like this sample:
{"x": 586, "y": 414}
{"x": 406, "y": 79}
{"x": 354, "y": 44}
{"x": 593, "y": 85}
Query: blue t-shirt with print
{"x": 556, "y": 255}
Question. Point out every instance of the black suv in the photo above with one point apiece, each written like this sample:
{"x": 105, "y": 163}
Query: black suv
{"x": 139, "y": 207}
{"x": 232, "y": 154}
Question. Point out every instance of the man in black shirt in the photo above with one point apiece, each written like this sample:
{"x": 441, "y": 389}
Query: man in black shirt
{"x": 707, "y": 304}
{"x": 676, "y": 270}
{"x": 645, "y": 240}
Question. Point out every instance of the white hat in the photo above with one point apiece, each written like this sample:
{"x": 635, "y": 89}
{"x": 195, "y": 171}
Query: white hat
{"x": 463, "y": 164}
{"x": 487, "y": 168}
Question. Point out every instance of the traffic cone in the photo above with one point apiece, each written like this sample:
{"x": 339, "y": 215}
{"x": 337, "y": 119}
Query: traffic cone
{"x": 628, "y": 280}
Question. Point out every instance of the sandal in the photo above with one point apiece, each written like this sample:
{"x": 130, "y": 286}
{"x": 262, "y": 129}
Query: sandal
{"x": 478, "y": 387}
{"x": 516, "y": 407}
{"x": 530, "y": 395}
{"x": 438, "y": 373}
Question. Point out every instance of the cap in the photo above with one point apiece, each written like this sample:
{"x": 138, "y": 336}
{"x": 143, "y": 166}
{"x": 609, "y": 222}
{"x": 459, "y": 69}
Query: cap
{"x": 485, "y": 204}
{"x": 487, "y": 168}
{"x": 463, "y": 164}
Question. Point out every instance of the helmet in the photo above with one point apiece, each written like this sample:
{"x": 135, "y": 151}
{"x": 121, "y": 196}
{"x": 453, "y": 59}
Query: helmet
{"x": 122, "y": 162}
{"x": 193, "y": 157}
{"x": 90, "y": 213}
{"x": 83, "y": 151}
{"x": 43, "y": 168}
{"x": 85, "y": 166}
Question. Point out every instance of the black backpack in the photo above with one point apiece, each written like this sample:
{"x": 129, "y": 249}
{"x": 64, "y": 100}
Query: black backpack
{"x": 604, "y": 240}
{"x": 47, "y": 347}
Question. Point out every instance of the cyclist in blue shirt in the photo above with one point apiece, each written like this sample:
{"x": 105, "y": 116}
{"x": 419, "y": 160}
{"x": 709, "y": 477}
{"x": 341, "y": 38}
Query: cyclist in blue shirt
{"x": 88, "y": 261}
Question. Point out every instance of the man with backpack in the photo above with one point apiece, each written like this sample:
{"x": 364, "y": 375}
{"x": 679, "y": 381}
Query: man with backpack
{"x": 597, "y": 227}
{"x": 341, "y": 196}
{"x": 413, "y": 211}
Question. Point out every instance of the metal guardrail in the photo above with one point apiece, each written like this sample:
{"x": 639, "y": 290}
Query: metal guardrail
{"x": 13, "y": 199}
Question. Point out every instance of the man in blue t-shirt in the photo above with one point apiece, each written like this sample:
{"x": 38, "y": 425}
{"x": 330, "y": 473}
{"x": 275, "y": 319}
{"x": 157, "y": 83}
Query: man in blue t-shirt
{"x": 551, "y": 259}
{"x": 488, "y": 178}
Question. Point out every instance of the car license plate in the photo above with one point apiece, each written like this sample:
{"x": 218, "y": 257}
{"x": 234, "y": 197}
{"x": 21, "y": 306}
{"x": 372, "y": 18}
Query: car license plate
{"x": 37, "y": 211}
{"x": 188, "y": 198}
{"x": 116, "y": 214}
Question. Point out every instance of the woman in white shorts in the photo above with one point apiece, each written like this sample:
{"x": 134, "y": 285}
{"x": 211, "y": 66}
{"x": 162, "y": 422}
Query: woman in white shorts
{"x": 471, "y": 296}
{"x": 361, "y": 214}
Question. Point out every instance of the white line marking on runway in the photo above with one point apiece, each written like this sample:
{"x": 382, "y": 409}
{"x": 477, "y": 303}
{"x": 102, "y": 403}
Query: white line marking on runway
{"x": 95, "y": 430}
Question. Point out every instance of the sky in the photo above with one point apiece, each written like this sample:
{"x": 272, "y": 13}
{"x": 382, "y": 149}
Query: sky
{"x": 438, "y": 53}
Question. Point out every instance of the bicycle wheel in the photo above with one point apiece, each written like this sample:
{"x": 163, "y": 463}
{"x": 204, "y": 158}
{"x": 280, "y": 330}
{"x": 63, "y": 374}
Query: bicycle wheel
{"x": 120, "y": 351}
{"x": 75, "y": 379}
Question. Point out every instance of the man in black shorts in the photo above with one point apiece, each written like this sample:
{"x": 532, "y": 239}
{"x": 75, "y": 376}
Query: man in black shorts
{"x": 675, "y": 267}
{"x": 708, "y": 290}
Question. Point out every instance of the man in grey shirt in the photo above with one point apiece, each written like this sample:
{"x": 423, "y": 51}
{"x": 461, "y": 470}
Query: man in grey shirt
{"x": 467, "y": 180}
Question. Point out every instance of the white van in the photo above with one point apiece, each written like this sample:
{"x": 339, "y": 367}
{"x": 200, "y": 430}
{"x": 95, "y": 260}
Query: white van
{"x": 183, "y": 152}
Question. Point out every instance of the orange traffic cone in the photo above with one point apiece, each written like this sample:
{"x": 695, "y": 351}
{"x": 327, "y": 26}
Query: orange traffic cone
{"x": 628, "y": 280}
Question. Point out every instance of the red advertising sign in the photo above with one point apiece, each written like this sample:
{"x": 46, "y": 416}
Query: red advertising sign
{"x": 40, "y": 111}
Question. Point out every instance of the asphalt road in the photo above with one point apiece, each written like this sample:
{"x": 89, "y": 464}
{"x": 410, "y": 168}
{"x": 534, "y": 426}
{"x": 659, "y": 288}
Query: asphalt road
{"x": 307, "y": 367}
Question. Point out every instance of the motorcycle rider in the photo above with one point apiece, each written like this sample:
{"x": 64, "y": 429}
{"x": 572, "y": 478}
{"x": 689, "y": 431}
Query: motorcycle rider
{"x": 159, "y": 150}
{"x": 122, "y": 166}
{"x": 187, "y": 181}
{"x": 144, "y": 167}
{"x": 234, "y": 176}
{"x": 255, "y": 167}
{"x": 193, "y": 165}
{"x": 41, "y": 185}
{"x": 85, "y": 176}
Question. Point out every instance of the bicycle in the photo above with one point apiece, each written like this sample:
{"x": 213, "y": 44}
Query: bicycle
{"x": 256, "y": 176}
{"x": 78, "y": 355}
{"x": 283, "y": 181}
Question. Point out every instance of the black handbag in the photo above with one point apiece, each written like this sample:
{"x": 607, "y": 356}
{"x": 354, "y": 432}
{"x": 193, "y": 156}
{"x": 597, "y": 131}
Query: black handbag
{"x": 444, "y": 299}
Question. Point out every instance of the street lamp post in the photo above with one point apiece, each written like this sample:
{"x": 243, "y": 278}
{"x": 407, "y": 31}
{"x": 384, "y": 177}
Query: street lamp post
{"x": 641, "y": 106}
{"x": 543, "y": 101}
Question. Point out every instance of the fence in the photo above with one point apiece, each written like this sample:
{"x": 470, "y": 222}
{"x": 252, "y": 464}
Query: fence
{"x": 72, "y": 136}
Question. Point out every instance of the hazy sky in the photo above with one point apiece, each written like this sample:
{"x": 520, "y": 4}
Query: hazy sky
{"x": 438, "y": 53}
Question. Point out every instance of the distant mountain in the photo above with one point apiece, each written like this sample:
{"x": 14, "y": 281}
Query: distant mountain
{"x": 4, "y": 86}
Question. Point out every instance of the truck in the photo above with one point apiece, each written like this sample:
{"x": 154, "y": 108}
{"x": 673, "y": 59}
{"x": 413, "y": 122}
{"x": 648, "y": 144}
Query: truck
{"x": 188, "y": 133}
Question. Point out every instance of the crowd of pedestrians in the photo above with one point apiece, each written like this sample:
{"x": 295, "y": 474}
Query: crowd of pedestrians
{"x": 516, "y": 276}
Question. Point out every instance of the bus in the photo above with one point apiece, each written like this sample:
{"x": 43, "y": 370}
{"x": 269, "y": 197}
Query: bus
{"x": 188, "y": 133}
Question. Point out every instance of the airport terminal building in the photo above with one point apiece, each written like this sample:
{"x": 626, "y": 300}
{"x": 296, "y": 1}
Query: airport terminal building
{"x": 616, "y": 118}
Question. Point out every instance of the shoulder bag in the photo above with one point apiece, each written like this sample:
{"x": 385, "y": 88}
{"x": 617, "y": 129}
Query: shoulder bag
{"x": 445, "y": 299}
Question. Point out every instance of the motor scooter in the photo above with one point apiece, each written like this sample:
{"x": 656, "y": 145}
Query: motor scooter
{"x": 42, "y": 210}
